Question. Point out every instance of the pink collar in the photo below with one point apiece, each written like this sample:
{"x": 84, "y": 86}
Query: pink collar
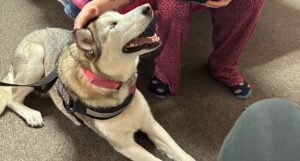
{"x": 99, "y": 81}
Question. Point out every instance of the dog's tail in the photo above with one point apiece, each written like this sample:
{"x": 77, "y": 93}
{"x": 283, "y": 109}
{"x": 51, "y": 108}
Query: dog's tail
{"x": 6, "y": 92}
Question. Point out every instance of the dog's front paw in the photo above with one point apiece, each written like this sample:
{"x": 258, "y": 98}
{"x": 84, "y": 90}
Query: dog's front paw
{"x": 34, "y": 119}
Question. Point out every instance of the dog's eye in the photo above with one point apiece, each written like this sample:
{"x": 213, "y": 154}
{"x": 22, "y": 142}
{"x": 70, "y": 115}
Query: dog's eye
{"x": 113, "y": 24}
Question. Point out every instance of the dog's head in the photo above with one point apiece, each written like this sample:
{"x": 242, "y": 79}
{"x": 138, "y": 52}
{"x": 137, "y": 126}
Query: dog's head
{"x": 113, "y": 42}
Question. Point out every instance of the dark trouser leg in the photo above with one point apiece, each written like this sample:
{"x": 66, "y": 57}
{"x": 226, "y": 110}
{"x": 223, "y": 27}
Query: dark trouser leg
{"x": 232, "y": 27}
{"x": 173, "y": 25}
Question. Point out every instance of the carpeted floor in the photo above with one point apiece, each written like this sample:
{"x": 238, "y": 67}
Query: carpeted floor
{"x": 198, "y": 118}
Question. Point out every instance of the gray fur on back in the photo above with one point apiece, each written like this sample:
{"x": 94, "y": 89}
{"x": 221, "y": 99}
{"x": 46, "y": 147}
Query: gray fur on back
{"x": 53, "y": 41}
{"x": 56, "y": 40}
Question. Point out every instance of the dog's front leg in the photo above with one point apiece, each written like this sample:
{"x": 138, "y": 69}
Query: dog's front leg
{"x": 163, "y": 141}
{"x": 129, "y": 148}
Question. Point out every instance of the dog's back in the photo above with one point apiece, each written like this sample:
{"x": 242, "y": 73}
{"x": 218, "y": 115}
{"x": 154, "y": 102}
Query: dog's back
{"x": 46, "y": 43}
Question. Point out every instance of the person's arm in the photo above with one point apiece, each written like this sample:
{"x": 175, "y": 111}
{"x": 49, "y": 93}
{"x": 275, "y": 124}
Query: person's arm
{"x": 96, "y": 8}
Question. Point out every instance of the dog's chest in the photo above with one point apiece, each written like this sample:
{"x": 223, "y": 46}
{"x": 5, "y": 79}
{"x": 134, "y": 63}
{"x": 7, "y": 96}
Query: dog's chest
{"x": 128, "y": 121}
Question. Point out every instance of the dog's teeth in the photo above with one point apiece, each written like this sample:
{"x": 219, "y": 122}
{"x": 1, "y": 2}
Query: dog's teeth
{"x": 156, "y": 39}
{"x": 130, "y": 45}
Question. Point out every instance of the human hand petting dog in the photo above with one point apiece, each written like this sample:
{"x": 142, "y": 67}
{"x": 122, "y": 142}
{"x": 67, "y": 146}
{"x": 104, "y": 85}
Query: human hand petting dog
{"x": 96, "y": 8}
{"x": 216, "y": 3}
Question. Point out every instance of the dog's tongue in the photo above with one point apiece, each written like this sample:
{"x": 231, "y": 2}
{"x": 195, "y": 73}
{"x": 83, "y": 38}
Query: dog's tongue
{"x": 144, "y": 40}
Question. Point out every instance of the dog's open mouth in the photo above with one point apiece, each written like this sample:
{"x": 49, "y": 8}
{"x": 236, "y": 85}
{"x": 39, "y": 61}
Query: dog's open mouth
{"x": 146, "y": 40}
{"x": 139, "y": 43}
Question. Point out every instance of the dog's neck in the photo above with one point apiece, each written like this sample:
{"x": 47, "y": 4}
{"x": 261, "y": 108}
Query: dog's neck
{"x": 79, "y": 83}
{"x": 100, "y": 81}
{"x": 115, "y": 68}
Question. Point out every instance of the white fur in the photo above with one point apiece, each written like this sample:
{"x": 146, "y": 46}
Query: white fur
{"x": 117, "y": 131}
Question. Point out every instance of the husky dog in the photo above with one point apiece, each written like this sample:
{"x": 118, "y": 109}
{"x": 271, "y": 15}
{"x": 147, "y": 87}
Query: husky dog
{"x": 96, "y": 67}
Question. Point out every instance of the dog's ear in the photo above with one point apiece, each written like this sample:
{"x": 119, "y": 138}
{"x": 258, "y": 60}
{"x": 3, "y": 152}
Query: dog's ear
{"x": 84, "y": 39}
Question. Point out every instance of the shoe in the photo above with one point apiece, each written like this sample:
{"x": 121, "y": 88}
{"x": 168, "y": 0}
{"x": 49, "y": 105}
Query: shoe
{"x": 242, "y": 91}
{"x": 159, "y": 89}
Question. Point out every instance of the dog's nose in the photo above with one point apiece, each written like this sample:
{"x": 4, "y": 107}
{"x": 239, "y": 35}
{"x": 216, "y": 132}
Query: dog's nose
{"x": 147, "y": 10}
